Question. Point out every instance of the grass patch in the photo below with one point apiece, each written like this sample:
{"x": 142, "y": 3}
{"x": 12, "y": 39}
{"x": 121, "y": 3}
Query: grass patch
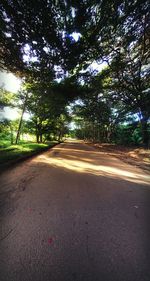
{"x": 4, "y": 143}
{"x": 10, "y": 153}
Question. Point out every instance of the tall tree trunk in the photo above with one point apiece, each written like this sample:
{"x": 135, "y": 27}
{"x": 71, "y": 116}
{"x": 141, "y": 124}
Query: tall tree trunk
{"x": 145, "y": 134}
{"x": 143, "y": 118}
{"x": 108, "y": 133}
{"x": 11, "y": 135}
{"x": 99, "y": 138}
{"x": 59, "y": 135}
{"x": 21, "y": 118}
{"x": 41, "y": 137}
{"x": 37, "y": 131}
{"x": 37, "y": 137}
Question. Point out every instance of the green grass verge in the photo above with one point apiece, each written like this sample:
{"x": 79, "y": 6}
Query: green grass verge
{"x": 4, "y": 143}
{"x": 13, "y": 153}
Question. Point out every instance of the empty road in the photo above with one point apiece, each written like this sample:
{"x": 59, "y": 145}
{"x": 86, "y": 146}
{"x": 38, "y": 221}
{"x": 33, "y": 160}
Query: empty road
{"x": 74, "y": 213}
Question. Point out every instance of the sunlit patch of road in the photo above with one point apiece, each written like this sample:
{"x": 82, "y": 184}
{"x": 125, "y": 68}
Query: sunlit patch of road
{"x": 95, "y": 163}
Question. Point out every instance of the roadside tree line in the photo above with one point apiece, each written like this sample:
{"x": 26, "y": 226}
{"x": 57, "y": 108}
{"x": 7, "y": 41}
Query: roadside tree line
{"x": 60, "y": 39}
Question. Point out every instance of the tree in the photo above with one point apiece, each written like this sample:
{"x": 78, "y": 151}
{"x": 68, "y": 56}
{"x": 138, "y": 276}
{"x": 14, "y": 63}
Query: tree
{"x": 107, "y": 30}
{"x": 94, "y": 114}
{"x": 23, "y": 108}
{"x": 6, "y": 98}
{"x": 47, "y": 103}
{"x": 129, "y": 70}
{"x": 36, "y": 39}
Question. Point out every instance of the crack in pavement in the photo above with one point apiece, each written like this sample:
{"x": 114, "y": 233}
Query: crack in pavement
{"x": 8, "y": 233}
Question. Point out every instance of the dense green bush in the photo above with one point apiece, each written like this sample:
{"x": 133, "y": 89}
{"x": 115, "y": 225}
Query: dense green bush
{"x": 129, "y": 134}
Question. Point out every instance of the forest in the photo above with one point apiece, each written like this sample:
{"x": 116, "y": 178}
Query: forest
{"x": 51, "y": 46}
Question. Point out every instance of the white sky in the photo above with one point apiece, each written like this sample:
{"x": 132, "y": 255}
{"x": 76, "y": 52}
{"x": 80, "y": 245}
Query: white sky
{"x": 9, "y": 81}
{"x": 12, "y": 114}
{"x": 12, "y": 84}
{"x": 95, "y": 66}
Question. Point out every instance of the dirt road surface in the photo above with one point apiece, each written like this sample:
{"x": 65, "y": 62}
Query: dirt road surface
{"x": 74, "y": 214}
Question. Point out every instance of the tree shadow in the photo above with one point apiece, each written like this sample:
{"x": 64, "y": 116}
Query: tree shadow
{"x": 99, "y": 219}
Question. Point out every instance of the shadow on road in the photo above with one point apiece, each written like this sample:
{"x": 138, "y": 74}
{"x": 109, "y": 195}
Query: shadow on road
{"x": 75, "y": 214}
{"x": 87, "y": 160}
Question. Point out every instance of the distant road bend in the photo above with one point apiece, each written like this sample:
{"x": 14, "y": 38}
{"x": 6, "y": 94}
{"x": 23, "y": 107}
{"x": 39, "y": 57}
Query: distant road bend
{"x": 74, "y": 213}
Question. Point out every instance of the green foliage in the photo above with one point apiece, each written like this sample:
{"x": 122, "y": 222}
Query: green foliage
{"x": 137, "y": 136}
{"x": 130, "y": 134}
{"x": 16, "y": 152}
{"x": 45, "y": 32}
{"x": 6, "y": 98}
{"x": 112, "y": 31}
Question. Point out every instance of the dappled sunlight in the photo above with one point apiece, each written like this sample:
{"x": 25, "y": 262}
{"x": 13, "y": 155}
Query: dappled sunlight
{"x": 92, "y": 165}
{"x": 89, "y": 156}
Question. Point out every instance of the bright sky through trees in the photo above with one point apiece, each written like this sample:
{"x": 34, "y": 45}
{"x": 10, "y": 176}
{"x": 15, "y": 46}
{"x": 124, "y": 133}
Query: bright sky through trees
{"x": 9, "y": 81}
{"x": 96, "y": 51}
{"x": 12, "y": 84}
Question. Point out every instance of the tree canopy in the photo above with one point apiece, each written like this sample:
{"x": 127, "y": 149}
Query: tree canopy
{"x": 46, "y": 40}
{"x": 39, "y": 34}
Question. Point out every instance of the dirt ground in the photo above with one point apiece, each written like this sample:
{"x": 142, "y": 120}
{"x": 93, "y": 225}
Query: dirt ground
{"x": 135, "y": 156}
{"x": 74, "y": 213}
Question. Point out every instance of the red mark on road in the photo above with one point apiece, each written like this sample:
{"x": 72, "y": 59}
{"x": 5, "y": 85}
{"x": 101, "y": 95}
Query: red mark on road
{"x": 50, "y": 240}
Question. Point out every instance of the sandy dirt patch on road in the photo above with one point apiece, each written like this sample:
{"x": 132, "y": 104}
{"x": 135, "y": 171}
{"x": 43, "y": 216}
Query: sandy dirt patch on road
{"x": 135, "y": 156}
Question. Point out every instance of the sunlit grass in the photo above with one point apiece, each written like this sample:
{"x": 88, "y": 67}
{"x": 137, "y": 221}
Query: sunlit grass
{"x": 4, "y": 143}
{"x": 13, "y": 152}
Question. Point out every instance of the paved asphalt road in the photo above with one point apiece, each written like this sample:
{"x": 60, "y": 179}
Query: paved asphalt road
{"x": 74, "y": 214}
